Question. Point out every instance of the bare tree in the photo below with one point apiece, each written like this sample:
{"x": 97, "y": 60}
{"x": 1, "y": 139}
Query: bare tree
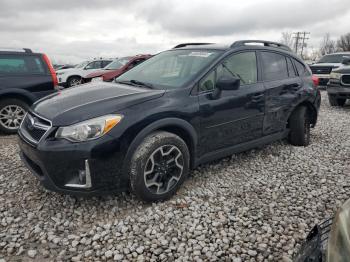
{"x": 328, "y": 45}
{"x": 343, "y": 43}
{"x": 287, "y": 39}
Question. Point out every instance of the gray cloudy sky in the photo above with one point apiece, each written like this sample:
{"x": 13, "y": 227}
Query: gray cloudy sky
{"x": 69, "y": 31}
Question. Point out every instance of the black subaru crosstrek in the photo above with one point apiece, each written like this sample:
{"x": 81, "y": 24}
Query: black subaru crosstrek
{"x": 181, "y": 108}
{"x": 25, "y": 77}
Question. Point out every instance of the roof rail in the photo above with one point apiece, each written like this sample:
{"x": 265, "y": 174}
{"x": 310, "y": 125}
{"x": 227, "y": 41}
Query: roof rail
{"x": 265, "y": 43}
{"x": 25, "y": 50}
{"x": 187, "y": 44}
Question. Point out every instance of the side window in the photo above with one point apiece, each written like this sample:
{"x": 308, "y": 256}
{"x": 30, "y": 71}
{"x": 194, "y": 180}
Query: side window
{"x": 105, "y": 63}
{"x": 98, "y": 65}
{"x": 90, "y": 66}
{"x": 302, "y": 71}
{"x": 16, "y": 64}
{"x": 243, "y": 66}
{"x": 208, "y": 83}
{"x": 291, "y": 70}
{"x": 139, "y": 61}
{"x": 274, "y": 66}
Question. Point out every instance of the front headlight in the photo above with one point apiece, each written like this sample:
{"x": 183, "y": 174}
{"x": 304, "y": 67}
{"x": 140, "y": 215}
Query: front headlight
{"x": 90, "y": 129}
{"x": 334, "y": 75}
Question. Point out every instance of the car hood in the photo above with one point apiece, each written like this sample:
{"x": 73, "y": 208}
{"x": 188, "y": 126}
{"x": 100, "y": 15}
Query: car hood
{"x": 326, "y": 64}
{"x": 91, "y": 100}
{"x": 62, "y": 71}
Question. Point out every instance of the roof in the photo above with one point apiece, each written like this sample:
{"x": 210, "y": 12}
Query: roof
{"x": 236, "y": 44}
{"x": 16, "y": 50}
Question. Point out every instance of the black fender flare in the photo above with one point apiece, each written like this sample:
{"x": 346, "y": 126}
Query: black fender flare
{"x": 310, "y": 106}
{"x": 159, "y": 125}
{"x": 19, "y": 94}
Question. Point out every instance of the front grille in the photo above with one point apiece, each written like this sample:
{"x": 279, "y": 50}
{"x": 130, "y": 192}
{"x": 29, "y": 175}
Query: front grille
{"x": 321, "y": 70}
{"x": 34, "y": 127}
{"x": 345, "y": 79}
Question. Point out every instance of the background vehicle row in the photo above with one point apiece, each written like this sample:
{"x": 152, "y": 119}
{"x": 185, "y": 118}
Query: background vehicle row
{"x": 25, "y": 77}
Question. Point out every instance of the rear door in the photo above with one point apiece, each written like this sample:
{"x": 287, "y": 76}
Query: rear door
{"x": 281, "y": 84}
{"x": 236, "y": 116}
{"x": 25, "y": 71}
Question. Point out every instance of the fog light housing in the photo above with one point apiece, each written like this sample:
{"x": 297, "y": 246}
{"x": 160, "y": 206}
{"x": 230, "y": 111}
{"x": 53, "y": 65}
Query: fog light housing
{"x": 83, "y": 179}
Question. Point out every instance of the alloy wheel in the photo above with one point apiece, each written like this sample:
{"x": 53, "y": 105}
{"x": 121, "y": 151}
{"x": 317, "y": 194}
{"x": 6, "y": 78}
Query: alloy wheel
{"x": 11, "y": 116}
{"x": 75, "y": 82}
{"x": 163, "y": 169}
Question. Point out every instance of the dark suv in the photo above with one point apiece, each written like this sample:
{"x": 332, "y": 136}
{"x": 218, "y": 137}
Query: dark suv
{"x": 180, "y": 108}
{"x": 24, "y": 78}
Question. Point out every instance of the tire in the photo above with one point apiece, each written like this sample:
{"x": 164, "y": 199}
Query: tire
{"x": 333, "y": 101}
{"x": 159, "y": 157}
{"x": 74, "y": 81}
{"x": 300, "y": 124}
{"x": 12, "y": 112}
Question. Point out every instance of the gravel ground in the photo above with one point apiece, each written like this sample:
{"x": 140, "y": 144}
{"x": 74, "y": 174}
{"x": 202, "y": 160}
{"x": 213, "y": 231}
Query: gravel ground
{"x": 254, "y": 206}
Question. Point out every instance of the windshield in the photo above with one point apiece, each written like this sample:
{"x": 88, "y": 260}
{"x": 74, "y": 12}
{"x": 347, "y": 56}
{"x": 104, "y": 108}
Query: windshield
{"x": 82, "y": 64}
{"x": 171, "y": 69}
{"x": 119, "y": 63}
{"x": 332, "y": 59}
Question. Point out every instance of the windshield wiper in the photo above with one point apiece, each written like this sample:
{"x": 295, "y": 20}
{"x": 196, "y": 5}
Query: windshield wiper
{"x": 136, "y": 83}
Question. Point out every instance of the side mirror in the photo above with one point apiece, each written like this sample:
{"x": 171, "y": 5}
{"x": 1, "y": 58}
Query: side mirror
{"x": 346, "y": 60}
{"x": 228, "y": 83}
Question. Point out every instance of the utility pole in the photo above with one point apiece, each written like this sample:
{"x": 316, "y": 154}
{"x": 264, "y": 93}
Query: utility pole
{"x": 297, "y": 37}
{"x": 303, "y": 44}
{"x": 300, "y": 39}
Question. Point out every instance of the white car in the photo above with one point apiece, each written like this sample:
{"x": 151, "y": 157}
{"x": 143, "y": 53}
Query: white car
{"x": 323, "y": 68}
{"x": 73, "y": 76}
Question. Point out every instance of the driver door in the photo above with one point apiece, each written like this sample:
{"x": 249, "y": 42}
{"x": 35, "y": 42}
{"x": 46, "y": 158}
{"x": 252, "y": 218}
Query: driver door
{"x": 234, "y": 116}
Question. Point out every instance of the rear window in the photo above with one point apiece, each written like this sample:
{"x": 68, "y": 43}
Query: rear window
{"x": 16, "y": 64}
{"x": 302, "y": 70}
{"x": 291, "y": 70}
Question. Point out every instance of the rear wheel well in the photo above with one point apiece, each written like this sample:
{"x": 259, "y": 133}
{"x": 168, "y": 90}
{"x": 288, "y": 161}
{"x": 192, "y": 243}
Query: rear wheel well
{"x": 310, "y": 109}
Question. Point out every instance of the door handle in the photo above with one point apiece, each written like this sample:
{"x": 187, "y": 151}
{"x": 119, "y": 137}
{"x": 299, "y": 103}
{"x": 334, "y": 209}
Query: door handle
{"x": 257, "y": 96}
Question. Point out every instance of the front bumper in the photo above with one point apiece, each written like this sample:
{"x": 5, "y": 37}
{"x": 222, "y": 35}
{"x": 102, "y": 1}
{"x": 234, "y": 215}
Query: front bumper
{"x": 61, "y": 81}
{"x": 58, "y": 164}
{"x": 338, "y": 91}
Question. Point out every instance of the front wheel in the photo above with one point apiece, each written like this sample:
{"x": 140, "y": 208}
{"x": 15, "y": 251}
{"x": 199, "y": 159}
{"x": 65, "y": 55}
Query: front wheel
{"x": 74, "y": 81}
{"x": 159, "y": 166}
{"x": 299, "y": 125}
{"x": 12, "y": 112}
